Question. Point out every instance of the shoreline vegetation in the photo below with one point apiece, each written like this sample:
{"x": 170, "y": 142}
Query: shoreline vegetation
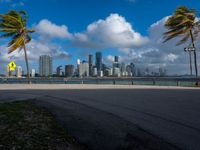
{"x": 23, "y": 125}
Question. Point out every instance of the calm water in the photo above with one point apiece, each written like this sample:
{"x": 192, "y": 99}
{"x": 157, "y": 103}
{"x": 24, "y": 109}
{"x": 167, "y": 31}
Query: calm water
{"x": 119, "y": 81}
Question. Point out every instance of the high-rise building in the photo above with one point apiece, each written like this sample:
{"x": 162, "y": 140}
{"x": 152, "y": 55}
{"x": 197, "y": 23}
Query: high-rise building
{"x": 45, "y": 65}
{"x": 84, "y": 69}
{"x": 116, "y": 59}
{"x": 19, "y": 72}
{"x": 132, "y": 69}
{"x": 59, "y": 71}
{"x": 99, "y": 62}
{"x": 69, "y": 70}
{"x": 90, "y": 61}
{"x": 33, "y": 73}
{"x": 8, "y": 72}
{"x": 128, "y": 70}
{"x": 116, "y": 62}
{"x": 94, "y": 71}
{"x": 116, "y": 72}
{"x": 123, "y": 69}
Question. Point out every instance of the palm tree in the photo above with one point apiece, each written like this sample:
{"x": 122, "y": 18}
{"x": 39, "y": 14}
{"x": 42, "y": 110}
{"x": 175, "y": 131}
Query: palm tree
{"x": 13, "y": 25}
{"x": 183, "y": 23}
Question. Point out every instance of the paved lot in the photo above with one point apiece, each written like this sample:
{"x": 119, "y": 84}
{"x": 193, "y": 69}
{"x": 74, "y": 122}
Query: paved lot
{"x": 114, "y": 117}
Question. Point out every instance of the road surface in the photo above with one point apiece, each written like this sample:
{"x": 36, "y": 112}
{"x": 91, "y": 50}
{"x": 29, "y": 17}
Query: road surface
{"x": 122, "y": 118}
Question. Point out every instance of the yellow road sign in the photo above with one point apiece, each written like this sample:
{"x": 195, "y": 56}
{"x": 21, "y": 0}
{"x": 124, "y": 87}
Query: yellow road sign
{"x": 12, "y": 66}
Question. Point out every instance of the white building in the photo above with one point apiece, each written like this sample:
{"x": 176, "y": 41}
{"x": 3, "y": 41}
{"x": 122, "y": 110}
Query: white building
{"x": 45, "y": 65}
{"x": 116, "y": 71}
{"x": 95, "y": 73}
{"x": 8, "y": 72}
{"x": 33, "y": 73}
{"x": 83, "y": 69}
{"x": 19, "y": 72}
{"x": 101, "y": 73}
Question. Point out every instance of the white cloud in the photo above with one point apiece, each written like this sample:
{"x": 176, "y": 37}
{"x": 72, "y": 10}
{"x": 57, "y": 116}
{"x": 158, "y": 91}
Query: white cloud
{"x": 171, "y": 57}
{"x": 39, "y": 47}
{"x": 113, "y": 32}
{"x": 50, "y": 30}
{"x": 109, "y": 59}
{"x": 156, "y": 53}
{"x": 34, "y": 49}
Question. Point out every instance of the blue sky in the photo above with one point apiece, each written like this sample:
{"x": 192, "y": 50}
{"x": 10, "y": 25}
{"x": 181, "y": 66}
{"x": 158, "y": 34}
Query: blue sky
{"x": 74, "y": 16}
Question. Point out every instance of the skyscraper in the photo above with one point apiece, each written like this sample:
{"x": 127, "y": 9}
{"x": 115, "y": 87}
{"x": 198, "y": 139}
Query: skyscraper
{"x": 45, "y": 65}
{"x": 132, "y": 69}
{"x": 59, "y": 71}
{"x": 19, "y": 72}
{"x": 69, "y": 70}
{"x": 99, "y": 62}
{"x": 33, "y": 73}
{"x": 90, "y": 61}
{"x": 116, "y": 62}
{"x": 116, "y": 59}
{"x": 84, "y": 69}
{"x": 9, "y": 73}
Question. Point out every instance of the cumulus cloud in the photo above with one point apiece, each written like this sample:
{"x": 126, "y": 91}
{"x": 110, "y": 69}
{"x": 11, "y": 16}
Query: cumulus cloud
{"x": 34, "y": 49}
{"x": 39, "y": 47}
{"x": 157, "y": 54}
{"x": 113, "y": 32}
{"x": 50, "y": 30}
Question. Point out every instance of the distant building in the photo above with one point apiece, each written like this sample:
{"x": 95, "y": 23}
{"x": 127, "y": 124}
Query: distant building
{"x": 116, "y": 62}
{"x": 133, "y": 69}
{"x": 78, "y": 65}
{"x": 116, "y": 67}
{"x": 101, "y": 74}
{"x": 45, "y": 65}
{"x": 99, "y": 62}
{"x": 84, "y": 69}
{"x": 90, "y": 61}
{"x": 128, "y": 70}
{"x": 59, "y": 71}
{"x": 116, "y": 72}
{"x": 19, "y": 72}
{"x": 69, "y": 70}
{"x": 123, "y": 69}
{"x": 95, "y": 73}
{"x": 116, "y": 59}
{"x": 33, "y": 72}
{"x": 8, "y": 72}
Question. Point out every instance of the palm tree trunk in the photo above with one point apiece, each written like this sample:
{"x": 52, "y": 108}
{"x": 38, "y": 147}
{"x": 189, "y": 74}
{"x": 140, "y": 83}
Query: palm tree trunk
{"x": 195, "y": 55}
{"x": 190, "y": 55}
{"x": 27, "y": 65}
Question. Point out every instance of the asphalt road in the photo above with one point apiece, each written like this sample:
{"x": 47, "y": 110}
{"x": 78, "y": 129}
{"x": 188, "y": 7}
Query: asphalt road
{"x": 123, "y": 118}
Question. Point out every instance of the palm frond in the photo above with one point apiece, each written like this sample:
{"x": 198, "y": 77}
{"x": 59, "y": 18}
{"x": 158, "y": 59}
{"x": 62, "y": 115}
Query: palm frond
{"x": 180, "y": 24}
{"x": 11, "y": 19}
{"x": 19, "y": 42}
{"x": 29, "y": 31}
{"x": 7, "y": 30}
{"x": 184, "y": 39}
{"x": 28, "y": 38}
{"x": 10, "y": 34}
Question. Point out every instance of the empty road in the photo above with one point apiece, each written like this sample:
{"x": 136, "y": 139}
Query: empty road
{"x": 122, "y": 118}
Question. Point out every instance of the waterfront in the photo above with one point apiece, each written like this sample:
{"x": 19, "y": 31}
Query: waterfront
{"x": 155, "y": 81}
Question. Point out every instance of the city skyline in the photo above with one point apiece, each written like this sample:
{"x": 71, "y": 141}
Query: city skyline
{"x": 90, "y": 67}
{"x": 126, "y": 34}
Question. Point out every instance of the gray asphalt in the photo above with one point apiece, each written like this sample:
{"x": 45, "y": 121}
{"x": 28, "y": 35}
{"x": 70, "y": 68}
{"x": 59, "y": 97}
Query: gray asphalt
{"x": 123, "y": 118}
